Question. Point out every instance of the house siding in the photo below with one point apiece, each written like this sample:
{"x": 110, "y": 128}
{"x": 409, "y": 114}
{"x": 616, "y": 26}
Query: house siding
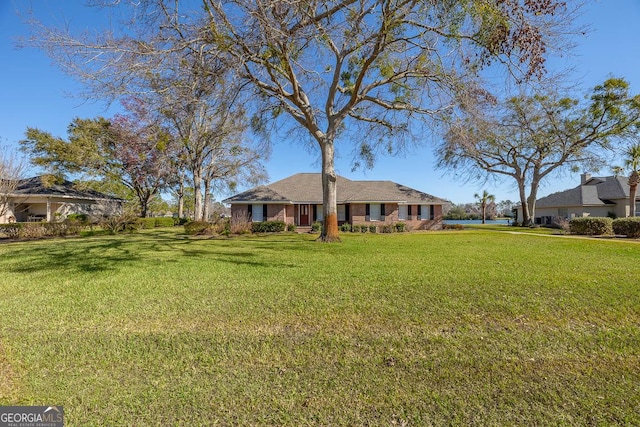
{"x": 276, "y": 212}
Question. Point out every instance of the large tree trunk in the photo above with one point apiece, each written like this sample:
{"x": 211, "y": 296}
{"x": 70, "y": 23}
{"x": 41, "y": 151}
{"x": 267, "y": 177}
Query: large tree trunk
{"x": 526, "y": 218}
{"x": 634, "y": 180}
{"x": 181, "y": 199}
{"x": 329, "y": 194}
{"x": 207, "y": 200}
{"x": 197, "y": 194}
{"x": 531, "y": 200}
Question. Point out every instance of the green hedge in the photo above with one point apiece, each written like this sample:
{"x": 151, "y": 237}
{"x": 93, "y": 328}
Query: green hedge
{"x": 198, "y": 228}
{"x": 155, "y": 222}
{"x": 268, "y": 226}
{"x": 591, "y": 226}
{"x": 629, "y": 227}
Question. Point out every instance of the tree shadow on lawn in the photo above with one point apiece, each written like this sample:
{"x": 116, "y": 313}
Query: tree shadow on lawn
{"x": 70, "y": 256}
{"x": 107, "y": 253}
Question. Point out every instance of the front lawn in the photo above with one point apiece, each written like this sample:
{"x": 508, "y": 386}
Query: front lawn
{"x": 441, "y": 328}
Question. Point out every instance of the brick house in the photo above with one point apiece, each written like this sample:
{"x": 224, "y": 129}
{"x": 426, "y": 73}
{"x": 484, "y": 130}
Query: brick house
{"x": 298, "y": 200}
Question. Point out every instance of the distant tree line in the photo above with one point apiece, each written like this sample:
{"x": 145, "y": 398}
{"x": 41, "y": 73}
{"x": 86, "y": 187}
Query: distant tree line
{"x": 473, "y": 211}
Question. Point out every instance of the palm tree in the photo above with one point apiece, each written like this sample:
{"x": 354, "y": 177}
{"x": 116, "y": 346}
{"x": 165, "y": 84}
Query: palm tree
{"x": 484, "y": 200}
{"x": 632, "y": 162}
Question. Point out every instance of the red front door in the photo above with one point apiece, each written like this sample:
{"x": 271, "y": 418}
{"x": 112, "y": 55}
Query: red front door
{"x": 304, "y": 215}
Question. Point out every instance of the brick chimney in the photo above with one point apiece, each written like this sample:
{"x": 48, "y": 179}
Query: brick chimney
{"x": 584, "y": 178}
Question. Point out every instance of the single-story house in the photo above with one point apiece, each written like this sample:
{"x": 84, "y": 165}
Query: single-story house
{"x": 298, "y": 200}
{"x": 595, "y": 196}
{"x": 42, "y": 198}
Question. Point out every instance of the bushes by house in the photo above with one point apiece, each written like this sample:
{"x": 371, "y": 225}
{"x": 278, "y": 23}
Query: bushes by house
{"x": 591, "y": 226}
{"x": 39, "y": 230}
{"x": 629, "y": 227}
{"x": 268, "y": 226}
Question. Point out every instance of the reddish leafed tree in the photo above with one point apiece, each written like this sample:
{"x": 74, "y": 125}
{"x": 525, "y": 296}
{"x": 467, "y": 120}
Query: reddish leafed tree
{"x": 132, "y": 150}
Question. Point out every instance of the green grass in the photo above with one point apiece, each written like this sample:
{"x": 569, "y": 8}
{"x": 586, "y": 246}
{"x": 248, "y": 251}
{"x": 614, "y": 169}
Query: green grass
{"x": 442, "y": 328}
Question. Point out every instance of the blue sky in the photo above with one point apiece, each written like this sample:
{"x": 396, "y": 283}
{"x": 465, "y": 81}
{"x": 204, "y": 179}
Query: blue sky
{"x": 35, "y": 93}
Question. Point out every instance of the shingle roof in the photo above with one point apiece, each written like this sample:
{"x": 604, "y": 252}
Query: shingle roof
{"x": 307, "y": 188}
{"x": 596, "y": 191}
{"x": 40, "y": 186}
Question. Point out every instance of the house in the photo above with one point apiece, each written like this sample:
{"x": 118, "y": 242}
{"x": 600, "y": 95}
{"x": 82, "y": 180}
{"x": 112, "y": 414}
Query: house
{"x": 595, "y": 196}
{"x": 298, "y": 200}
{"x": 42, "y": 198}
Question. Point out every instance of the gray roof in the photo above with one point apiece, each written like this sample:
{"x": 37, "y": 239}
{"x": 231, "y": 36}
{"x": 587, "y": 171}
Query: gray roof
{"x": 41, "y": 186}
{"x": 307, "y": 188}
{"x": 596, "y": 191}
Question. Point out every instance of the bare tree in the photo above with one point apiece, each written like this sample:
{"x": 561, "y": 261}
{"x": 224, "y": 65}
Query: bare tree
{"x": 356, "y": 71}
{"x": 201, "y": 105}
{"x": 160, "y": 58}
{"x": 12, "y": 169}
{"x": 364, "y": 71}
{"x": 528, "y": 138}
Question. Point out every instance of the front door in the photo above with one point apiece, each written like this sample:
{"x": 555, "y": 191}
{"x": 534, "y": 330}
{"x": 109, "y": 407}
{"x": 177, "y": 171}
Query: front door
{"x": 304, "y": 215}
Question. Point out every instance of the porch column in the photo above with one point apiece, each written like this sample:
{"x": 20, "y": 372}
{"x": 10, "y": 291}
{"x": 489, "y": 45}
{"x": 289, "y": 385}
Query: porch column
{"x": 48, "y": 210}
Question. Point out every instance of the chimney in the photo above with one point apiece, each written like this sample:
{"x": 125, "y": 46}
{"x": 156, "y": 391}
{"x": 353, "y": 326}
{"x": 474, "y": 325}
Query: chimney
{"x": 584, "y": 178}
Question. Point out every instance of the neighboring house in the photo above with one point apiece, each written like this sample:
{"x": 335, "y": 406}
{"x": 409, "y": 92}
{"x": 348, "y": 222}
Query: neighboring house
{"x": 298, "y": 200}
{"x": 44, "y": 199}
{"x": 595, "y": 196}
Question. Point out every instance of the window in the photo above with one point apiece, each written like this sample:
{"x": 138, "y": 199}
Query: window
{"x": 342, "y": 214}
{"x": 374, "y": 212}
{"x": 426, "y": 211}
{"x": 318, "y": 213}
{"x": 258, "y": 212}
{"x": 403, "y": 211}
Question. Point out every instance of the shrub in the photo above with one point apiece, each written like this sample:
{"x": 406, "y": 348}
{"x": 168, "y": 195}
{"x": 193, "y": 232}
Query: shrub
{"x": 346, "y": 227}
{"x": 387, "y": 228}
{"x": 146, "y": 223}
{"x": 452, "y": 227}
{"x": 355, "y": 228}
{"x": 117, "y": 223}
{"x": 373, "y": 229}
{"x": 12, "y": 231}
{"x": 400, "y": 227}
{"x": 291, "y": 227}
{"x": 560, "y": 224}
{"x": 78, "y": 217}
{"x": 629, "y": 227}
{"x": 316, "y": 227}
{"x": 54, "y": 229}
{"x": 591, "y": 226}
{"x": 268, "y": 226}
{"x": 180, "y": 221}
{"x": 197, "y": 228}
{"x": 240, "y": 223}
{"x": 364, "y": 228}
{"x": 164, "y": 221}
{"x": 75, "y": 223}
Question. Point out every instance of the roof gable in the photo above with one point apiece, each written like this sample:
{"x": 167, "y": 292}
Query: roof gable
{"x": 42, "y": 186}
{"x": 597, "y": 191}
{"x": 307, "y": 188}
